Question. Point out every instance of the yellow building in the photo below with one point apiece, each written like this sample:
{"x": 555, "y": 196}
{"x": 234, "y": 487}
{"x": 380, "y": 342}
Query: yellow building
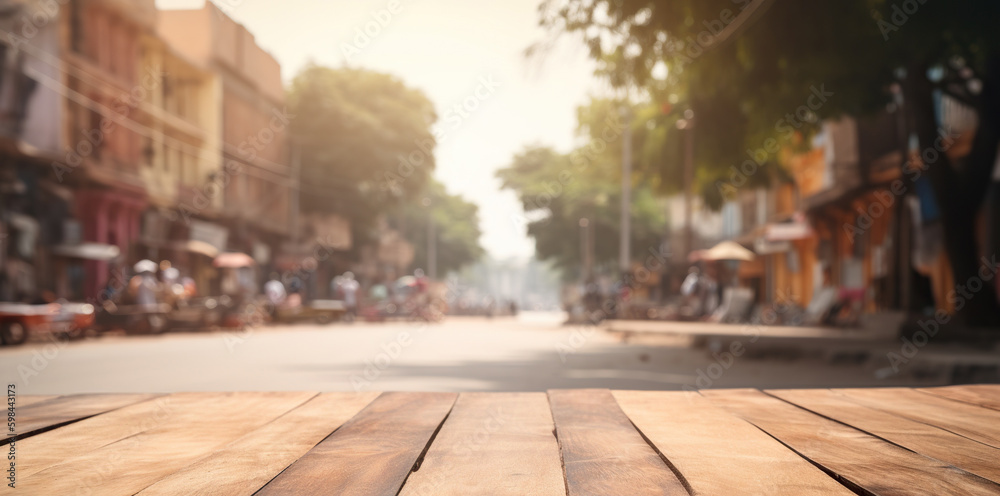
{"x": 257, "y": 184}
{"x": 183, "y": 113}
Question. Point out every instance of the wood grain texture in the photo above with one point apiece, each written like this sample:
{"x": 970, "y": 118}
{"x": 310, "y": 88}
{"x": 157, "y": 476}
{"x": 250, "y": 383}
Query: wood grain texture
{"x": 973, "y": 422}
{"x": 986, "y": 396}
{"x": 144, "y": 449}
{"x": 935, "y": 441}
{"x": 26, "y": 400}
{"x": 602, "y": 452}
{"x": 45, "y": 414}
{"x": 492, "y": 444}
{"x": 925, "y": 439}
{"x": 372, "y": 453}
{"x": 856, "y": 458}
{"x": 50, "y": 448}
{"x": 247, "y": 464}
{"x": 719, "y": 453}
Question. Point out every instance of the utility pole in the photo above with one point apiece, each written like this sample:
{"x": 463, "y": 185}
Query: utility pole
{"x": 294, "y": 193}
{"x": 585, "y": 249}
{"x": 903, "y": 232}
{"x": 431, "y": 242}
{"x": 687, "y": 126}
{"x": 626, "y": 220}
{"x": 431, "y": 250}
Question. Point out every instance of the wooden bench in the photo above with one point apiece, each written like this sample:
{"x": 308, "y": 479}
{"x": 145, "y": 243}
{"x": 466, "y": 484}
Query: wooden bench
{"x": 937, "y": 441}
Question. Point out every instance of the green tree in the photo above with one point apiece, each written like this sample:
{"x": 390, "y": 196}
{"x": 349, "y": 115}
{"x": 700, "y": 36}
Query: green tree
{"x": 656, "y": 161}
{"x": 556, "y": 191}
{"x": 365, "y": 141}
{"x": 743, "y": 66}
{"x": 456, "y": 227}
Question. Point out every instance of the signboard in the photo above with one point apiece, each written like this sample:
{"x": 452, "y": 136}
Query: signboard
{"x": 212, "y": 234}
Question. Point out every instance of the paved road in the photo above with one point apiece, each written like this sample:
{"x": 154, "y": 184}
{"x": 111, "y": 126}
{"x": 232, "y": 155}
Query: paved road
{"x": 530, "y": 353}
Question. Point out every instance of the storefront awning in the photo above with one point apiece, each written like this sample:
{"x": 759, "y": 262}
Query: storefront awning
{"x": 764, "y": 247}
{"x": 728, "y": 250}
{"x": 234, "y": 260}
{"x": 195, "y": 246}
{"x": 88, "y": 251}
{"x": 788, "y": 231}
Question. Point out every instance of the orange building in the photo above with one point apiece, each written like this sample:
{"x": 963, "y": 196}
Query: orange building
{"x": 849, "y": 185}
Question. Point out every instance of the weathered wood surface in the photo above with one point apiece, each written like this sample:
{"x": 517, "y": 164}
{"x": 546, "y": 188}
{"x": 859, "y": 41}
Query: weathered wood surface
{"x": 373, "y": 453}
{"x": 602, "y": 452}
{"x": 855, "y": 457}
{"x": 161, "y": 447}
{"x": 719, "y": 453}
{"x": 46, "y": 413}
{"x": 492, "y": 443}
{"x": 980, "y": 395}
{"x": 26, "y": 400}
{"x": 973, "y": 422}
{"x": 962, "y": 452}
{"x": 935, "y": 441}
{"x": 245, "y": 465}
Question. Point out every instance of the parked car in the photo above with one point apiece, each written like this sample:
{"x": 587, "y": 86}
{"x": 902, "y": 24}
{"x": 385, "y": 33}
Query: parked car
{"x": 20, "y": 321}
{"x": 72, "y": 320}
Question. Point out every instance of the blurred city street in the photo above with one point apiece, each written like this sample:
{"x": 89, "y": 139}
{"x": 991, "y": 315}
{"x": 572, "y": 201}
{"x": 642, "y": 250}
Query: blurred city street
{"x": 773, "y": 205}
{"x": 710, "y": 215}
{"x": 532, "y": 352}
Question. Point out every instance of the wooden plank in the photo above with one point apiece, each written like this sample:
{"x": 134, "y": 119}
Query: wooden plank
{"x": 493, "y": 443}
{"x": 602, "y": 452}
{"x": 718, "y": 453}
{"x": 925, "y": 439}
{"x": 247, "y": 464}
{"x": 857, "y": 459}
{"x": 193, "y": 426}
{"x": 973, "y": 422}
{"x": 25, "y": 400}
{"x": 986, "y": 396}
{"x": 54, "y": 412}
{"x": 50, "y": 448}
{"x": 372, "y": 453}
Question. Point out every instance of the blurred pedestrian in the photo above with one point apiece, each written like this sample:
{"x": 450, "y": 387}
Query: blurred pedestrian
{"x": 173, "y": 291}
{"x": 274, "y": 290}
{"x": 190, "y": 287}
{"x": 115, "y": 285}
{"x": 349, "y": 286}
{"x": 690, "y": 284}
{"x": 709, "y": 289}
{"x": 143, "y": 286}
{"x": 421, "y": 281}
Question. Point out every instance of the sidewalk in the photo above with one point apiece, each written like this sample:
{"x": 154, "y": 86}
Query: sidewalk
{"x": 712, "y": 330}
{"x": 885, "y": 346}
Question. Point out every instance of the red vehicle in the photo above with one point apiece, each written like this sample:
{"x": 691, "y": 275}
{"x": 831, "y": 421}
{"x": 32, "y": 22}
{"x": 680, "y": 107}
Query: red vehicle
{"x": 19, "y": 321}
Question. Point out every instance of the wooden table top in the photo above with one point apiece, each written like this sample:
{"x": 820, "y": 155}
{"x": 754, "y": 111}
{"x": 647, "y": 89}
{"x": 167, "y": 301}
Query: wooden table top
{"x": 935, "y": 441}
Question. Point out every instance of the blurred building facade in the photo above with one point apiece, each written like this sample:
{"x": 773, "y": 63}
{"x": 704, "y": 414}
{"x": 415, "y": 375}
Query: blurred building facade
{"x": 851, "y": 213}
{"x": 73, "y": 84}
{"x": 255, "y": 181}
{"x": 130, "y": 133}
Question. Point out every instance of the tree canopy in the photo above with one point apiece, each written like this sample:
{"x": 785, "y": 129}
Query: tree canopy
{"x": 456, "y": 227}
{"x": 557, "y": 190}
{"x": 753, "y": 85}
{"x": 355, "y": 128}
{"x": 747, "y": 70}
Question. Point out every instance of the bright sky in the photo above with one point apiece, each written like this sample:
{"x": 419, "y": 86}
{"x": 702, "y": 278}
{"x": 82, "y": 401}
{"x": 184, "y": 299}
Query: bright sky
{"x": 445, "y": 47}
